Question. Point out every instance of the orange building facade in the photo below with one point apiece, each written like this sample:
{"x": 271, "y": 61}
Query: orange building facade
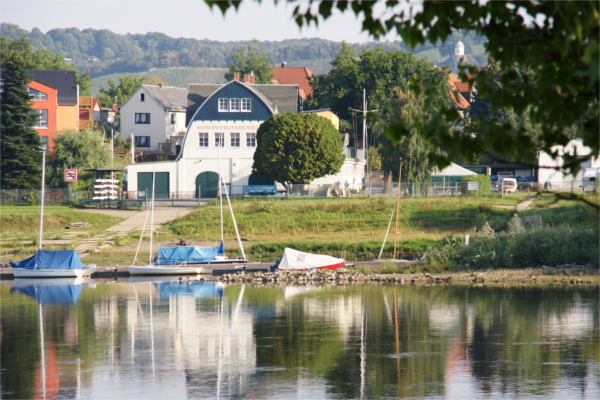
{"x": 44, "y": 100}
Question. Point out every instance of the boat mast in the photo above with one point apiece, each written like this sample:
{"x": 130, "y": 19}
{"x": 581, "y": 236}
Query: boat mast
{"x": 397, "y": 208}
{"x": 221, "y": 193}
{"x": 42, "y": 199}
{"x": 152, "y": 216}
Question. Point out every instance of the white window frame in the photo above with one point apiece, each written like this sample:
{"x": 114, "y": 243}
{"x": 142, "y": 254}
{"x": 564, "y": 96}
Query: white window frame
{"x": 223, "y": 105}
{"x": 41, "y": 119}
{"x": 234, "y": 105}
{"x": 36, "y": 95}
{"x": 138, "y": 120}
{"x": 251, "y": 140}
{"x": 235, "y": 140}
{"x": 246, "y": 105}
{"x": 203, "y": 140}
{"x": 219, "y": 139}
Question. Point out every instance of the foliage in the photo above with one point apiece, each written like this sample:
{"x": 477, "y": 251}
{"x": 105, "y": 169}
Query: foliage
{"x": 80, "y": 150}
{"x": 520, "y": 248}
{"x": 20, "y": 164}
{"x": 550, "y": 67}
{"x": 485, "y": 184}
{"x": 411, "y": 149}
{"x": 251, "y": 60}
{"x": 120, "y": 93}
{"x": 297, "y": 148}
{"x": 42, "y": 60}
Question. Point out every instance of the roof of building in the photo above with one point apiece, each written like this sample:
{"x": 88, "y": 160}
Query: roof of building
{"x": 279, "y": 98}
{"x": 459, "y": 91}
{"x": 294, "y": 75}
{"x": 169, "y": 98}
{"x": 63, "y": 81}
{"x": 452, "y": 170}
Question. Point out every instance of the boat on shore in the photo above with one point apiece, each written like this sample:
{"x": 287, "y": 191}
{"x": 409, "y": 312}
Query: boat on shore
{"x": 189, "y": 259}
{"x": 298, "y": 260}
{"x": 50, "y": 263}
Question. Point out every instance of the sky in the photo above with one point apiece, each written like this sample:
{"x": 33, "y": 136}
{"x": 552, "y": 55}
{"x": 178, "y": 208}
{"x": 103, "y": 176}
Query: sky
{"x": 188, "y": 19}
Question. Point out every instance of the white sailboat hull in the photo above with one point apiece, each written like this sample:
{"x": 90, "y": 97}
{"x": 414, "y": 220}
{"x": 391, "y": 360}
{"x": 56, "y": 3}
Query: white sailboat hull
{"x": 52, "y": 273}
{"x": 168, "y": 270}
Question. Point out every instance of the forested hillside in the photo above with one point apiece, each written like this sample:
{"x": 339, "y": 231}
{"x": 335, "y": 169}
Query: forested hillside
{"x": 103, "y": 52}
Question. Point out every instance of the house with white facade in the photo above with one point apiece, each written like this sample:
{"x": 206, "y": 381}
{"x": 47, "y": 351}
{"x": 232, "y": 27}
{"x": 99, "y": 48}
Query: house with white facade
{"x": 221, "y": 140}
{"x": 154, "y": 115}
{"x": 549, "y": 167}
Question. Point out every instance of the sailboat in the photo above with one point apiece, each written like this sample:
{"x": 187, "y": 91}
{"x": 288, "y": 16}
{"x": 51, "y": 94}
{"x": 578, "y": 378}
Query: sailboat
{"x": 191, "y": 259}
{"x": 50, "y": 263}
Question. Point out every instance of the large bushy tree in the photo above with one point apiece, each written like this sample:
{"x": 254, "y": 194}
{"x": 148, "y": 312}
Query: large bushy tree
{"x": 251, "y": 59}
{"x": 297, "y": 148}
{"x": 77, "y": 150}
{"x": 20, "y": 144}
{"x": 559, "y": 48}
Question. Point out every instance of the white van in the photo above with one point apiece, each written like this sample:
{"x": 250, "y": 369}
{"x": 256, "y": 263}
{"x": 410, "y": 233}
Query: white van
{"x": 509, "y": 185}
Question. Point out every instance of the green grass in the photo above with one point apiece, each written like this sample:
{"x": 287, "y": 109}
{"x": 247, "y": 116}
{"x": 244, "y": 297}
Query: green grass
{"x": 21, "y": 223}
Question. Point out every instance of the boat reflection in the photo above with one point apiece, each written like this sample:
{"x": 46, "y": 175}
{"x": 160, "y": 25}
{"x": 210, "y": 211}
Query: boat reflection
{"x": 52, "y": 290}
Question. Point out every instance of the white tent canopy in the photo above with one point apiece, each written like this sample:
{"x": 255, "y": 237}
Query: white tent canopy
{"x": 453, "y": 170}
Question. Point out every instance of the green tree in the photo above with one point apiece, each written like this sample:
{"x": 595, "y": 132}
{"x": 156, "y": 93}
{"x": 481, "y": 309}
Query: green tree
{"x": 20, "y": 164}
{"x": 251, "y": 60}
{"x": 559, "y": 48}
{"x": 80, "y": 150}
{"x": 413, "y": 149}
{"x": 297, "y": 148}
{"x": 42, "y": 60}
{"x": 120, "y": 93}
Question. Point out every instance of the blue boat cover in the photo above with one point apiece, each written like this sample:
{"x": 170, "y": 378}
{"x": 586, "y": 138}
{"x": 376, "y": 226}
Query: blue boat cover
{"x": 58, "y": 294}
{"x": 51, "y": 259}
{"x": 196, "y": 289}
{"x": 190, "y": 254}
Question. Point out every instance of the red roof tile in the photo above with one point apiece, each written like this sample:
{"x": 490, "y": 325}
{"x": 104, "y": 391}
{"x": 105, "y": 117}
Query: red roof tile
{"x": 294, "y": 75}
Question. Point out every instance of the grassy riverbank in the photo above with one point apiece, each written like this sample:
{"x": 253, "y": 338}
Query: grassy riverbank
{"x": 355, "y": 229}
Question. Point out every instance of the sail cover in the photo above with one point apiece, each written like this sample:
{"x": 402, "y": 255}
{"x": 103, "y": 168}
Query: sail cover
{"x": 51, "y": 259}
{"x": 190, "y": 254}
{"x": 294, "y": 259}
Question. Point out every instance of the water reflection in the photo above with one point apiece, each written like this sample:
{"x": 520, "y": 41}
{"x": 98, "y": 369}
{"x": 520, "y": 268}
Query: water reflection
{"x": 183, "y": 339}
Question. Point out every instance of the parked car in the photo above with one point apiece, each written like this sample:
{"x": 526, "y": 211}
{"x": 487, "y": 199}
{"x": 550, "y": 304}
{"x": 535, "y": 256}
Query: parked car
{"x": 523, "y": 184}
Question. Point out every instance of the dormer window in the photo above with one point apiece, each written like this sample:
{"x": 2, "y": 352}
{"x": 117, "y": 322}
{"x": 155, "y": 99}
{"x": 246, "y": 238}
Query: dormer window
{"x": 142, "y": 96}
{"x": 36, "y": 95}
{"x": 234, "y": 105}
{"x": 223, "y": 105}
{"x": 246, "y": 105}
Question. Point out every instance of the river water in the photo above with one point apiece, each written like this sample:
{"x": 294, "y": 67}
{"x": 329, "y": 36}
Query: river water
{"x": 159, "y": 339}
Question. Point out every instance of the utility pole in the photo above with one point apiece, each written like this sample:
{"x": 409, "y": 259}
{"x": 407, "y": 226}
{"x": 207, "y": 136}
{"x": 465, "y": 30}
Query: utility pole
{"x": 365, "y": 144}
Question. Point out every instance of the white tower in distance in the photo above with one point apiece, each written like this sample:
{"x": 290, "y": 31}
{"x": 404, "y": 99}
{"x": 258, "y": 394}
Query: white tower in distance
{"x": 459, "y": 55}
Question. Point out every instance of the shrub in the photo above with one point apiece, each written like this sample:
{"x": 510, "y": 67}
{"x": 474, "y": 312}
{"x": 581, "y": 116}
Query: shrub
{"x": 485, "y": 184}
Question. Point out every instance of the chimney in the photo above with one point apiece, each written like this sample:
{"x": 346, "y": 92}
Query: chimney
{"x": 249, "y": 78}
{"x": 236, "y": 76}
{"x": 283, "y": 64}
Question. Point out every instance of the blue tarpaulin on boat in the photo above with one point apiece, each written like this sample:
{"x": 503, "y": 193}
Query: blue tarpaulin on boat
{"x": 189, "y": 254}
{"x": 196, "y": 289}
{"x": 59, "y": 294}
{"x": 51, "y": 259}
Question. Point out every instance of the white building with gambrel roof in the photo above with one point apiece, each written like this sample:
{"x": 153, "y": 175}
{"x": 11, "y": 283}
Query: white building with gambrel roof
{"x": 154, "y": 115}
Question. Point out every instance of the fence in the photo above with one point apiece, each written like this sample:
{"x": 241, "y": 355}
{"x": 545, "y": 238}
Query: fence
{"x": 138, "y": 199}
{"x": 22, "y": 197}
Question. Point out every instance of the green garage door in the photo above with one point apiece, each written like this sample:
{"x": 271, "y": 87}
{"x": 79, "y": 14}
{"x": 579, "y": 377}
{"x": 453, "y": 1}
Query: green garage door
{"x": 145, "y": 185}
{"x": 207, "y": 185}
